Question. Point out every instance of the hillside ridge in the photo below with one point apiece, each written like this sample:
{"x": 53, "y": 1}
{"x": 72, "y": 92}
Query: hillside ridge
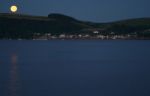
{"x": 26, "y": 26}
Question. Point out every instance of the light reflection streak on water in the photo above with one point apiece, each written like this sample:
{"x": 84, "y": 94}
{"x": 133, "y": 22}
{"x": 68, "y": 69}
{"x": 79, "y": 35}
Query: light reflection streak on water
{"x": 14, "y": 85}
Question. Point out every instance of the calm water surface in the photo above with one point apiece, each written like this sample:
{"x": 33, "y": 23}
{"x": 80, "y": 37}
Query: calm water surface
{"x": 75, "y": 68}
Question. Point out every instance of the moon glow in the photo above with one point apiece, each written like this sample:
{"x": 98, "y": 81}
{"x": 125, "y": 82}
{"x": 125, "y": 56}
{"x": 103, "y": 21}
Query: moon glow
{"x": 13, "y": 8}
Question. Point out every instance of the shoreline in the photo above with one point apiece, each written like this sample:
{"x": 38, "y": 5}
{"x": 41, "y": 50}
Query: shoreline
{"x": 76, "y": 39}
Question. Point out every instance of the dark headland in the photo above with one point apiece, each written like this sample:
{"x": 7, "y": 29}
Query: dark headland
{"x": 59, "y": 26}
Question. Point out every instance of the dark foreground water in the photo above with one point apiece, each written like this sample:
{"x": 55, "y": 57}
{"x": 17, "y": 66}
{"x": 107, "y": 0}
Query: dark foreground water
{"x": 75, "y": 68}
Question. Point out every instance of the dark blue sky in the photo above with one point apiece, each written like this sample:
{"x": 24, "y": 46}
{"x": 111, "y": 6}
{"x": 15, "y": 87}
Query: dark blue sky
{"x": 88, "y": 10}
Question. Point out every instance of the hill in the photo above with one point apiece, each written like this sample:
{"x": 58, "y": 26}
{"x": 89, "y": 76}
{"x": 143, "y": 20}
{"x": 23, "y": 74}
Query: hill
{"x": 27, "y": 27}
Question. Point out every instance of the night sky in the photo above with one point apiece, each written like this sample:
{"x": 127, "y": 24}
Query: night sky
{"x": 87, "y": 10}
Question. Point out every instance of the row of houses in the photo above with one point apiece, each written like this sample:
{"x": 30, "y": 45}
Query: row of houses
{"x": 48, "y": 36}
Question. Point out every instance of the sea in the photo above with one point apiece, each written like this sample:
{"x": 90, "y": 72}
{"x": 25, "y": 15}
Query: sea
{"x": 75, "y": 68}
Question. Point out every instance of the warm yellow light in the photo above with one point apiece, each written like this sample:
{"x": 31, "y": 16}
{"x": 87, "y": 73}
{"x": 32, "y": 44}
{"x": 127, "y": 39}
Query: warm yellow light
{"x": 13, "y": 8}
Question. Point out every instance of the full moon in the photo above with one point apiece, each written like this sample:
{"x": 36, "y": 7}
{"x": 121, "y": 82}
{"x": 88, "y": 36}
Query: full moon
{"x": 13, "y": 8}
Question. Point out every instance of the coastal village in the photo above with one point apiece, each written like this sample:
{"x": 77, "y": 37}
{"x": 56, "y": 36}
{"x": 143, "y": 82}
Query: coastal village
{"x": 95, "y": 35}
